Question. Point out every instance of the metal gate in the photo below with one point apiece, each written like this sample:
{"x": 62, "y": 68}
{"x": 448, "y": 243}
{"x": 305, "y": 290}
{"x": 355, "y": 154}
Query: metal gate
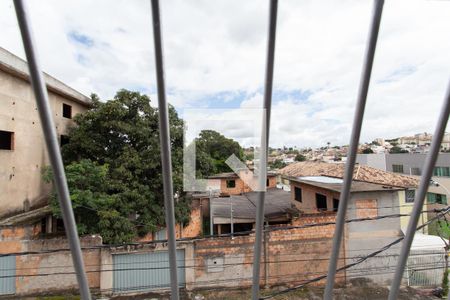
{"x": 145, "y": 271}
{"x": 425, "y": 268}
{"x": 7, "y": 275}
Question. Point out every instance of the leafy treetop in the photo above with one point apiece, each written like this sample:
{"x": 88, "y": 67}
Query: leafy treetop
{"x": 113, "y": 168}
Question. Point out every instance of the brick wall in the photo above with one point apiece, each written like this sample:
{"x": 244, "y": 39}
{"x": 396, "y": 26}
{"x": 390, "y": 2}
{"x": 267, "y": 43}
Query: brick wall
{"x": 241, "y": 187}
{"x": 366, "y": 208}
{"x": 32, "y": 269}
{"x": 289, "y": 256}
{"x": 308, "y": 204}
{"x": 192, "y": 229}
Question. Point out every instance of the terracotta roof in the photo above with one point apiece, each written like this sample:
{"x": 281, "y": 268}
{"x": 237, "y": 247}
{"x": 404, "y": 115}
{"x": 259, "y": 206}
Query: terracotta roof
{"x": 357, "y": 186}
{"x": 234, "y": 175}
{"x": 223, "y": 175}
{"x": 361, "y": 173}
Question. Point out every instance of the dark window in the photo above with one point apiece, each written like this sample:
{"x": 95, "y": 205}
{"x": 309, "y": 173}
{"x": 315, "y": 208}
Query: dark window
{"x": 43, "y": 225}
{"x": 298, "y": 194}
{"x": 64, "y": 140}
{"x": 267, "y": 182}
{"x": 436, "y": 198}
{"x": 335, "y": 204}
{"x": 410, "y": 194}
{"x": 59, "y": 225}
{"x": 67, "y": 111}
{"x": 397, "y": 168}
{"x": 231, "y": 184}
{"x": 441, "y": 171}
{"x": 321, "y": 202}
{"x": 6, "y": 140}
{"x": 415, "y": 171}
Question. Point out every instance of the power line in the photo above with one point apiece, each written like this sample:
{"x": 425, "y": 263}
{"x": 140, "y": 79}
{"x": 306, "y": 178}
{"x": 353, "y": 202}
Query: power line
{"x": 268, "y": 229}
{"x": 117, "y": 265}
{"x": 361, "y": 260}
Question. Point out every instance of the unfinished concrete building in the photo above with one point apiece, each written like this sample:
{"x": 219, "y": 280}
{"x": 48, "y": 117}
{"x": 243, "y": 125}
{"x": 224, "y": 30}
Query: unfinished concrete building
{"x": 22, "y": 148}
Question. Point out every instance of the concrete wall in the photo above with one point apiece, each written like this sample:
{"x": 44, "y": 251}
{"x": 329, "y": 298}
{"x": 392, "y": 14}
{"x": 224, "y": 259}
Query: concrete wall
{"x": 21, "y": 182}
{"x": 406, "y": 209}
{"x": 34, "y": 271}
{"x": 362, "y": 238}
{"x": 365, "y": 237}
{"x": 374, "y": 160}
{"x": 408, "y": 160}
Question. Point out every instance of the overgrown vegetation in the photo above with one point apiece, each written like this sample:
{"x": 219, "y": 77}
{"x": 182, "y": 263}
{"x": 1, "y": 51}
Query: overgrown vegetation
{"x": 277, "y": 164}
{"x": 113, "y": 168}
{"x": 212, "y": 150}
{"x": 300, "y": 157}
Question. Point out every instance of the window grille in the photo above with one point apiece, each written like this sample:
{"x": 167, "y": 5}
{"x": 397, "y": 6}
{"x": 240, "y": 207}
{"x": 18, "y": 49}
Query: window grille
{"x": 63, "y": 192}
{"x": 397, "y": 168}
{"x": 409, "y": 196}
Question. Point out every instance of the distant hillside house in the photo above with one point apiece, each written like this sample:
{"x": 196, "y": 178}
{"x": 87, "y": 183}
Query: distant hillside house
{"x": 231, "y": 183}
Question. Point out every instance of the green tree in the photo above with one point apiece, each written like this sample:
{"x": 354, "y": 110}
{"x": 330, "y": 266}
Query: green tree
{"x": 212, "y": 150}
{"x": 397, "y": 149}
{"x": 277, "y": 164}
{"x": 117, "y": 144}
{"x": 96, "y": 210}
{"x": 367, "y": 151}
{"x": 300, "y": 157}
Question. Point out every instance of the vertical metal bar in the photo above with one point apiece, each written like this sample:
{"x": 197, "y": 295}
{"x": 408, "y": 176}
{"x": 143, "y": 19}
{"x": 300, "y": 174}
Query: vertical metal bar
{"x": 264, "y": 146}
{"x": 211, "y": 224}
{"x": 354, "y": 140}
{"x": 420, "y": 195}
{"x": 48, "y": 127}
{"x": 164, "y": 133}
{"x": 231, "y": 218}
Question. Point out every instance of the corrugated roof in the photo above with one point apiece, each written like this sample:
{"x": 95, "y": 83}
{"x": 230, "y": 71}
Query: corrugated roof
{"x": 277, "y": 203}
{"x": 361, "y": 173}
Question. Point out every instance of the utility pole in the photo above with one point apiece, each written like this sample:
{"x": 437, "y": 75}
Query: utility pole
{"x": 211, "y": 225}
{"x": 231, "y": 218}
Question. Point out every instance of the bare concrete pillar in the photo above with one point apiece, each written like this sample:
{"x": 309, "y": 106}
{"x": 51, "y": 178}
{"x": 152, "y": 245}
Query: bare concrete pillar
{"x": 106, "y": 275}
{"x": 189, "y": 255}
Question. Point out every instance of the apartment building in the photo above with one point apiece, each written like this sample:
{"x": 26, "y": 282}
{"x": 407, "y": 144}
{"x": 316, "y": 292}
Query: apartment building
{"x": 412, "y": 164}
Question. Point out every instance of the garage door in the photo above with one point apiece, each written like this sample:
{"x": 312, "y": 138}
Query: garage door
{"x": 145, "y": 271}
{"x": 7, "y": 275}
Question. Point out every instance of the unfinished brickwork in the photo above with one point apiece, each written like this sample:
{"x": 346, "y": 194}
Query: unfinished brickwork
{"x": 366, "y": 208}
{"x": 241, "y": 187}
{"x": 289, "y": 256}
{"x": 308, "y": 202}
{"x": 190, "y": 230}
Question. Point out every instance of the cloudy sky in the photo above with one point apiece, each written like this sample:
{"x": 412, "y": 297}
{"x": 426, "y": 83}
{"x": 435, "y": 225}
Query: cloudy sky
{"x": 215, "y": 57}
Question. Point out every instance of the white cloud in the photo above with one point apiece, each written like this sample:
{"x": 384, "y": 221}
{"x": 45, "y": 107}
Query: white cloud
{"x": 216, "y": 47}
